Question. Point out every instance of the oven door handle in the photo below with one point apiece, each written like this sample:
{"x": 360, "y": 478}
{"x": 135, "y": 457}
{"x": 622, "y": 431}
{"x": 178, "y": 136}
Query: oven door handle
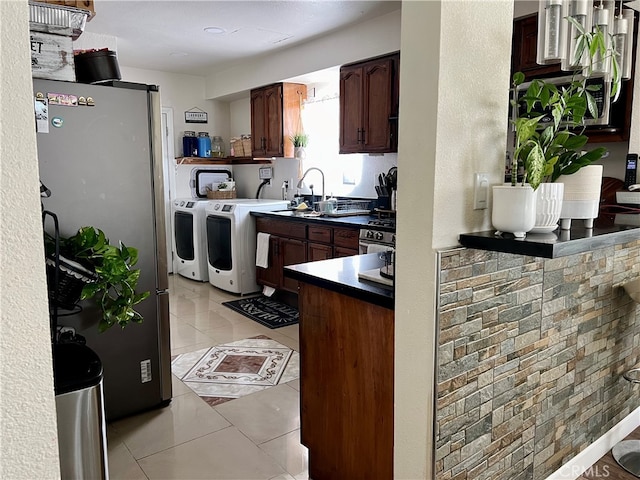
{"x": 363, "y": 247}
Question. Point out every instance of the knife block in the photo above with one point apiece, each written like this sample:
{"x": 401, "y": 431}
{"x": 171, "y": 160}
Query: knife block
{"x": 384, "y": 202}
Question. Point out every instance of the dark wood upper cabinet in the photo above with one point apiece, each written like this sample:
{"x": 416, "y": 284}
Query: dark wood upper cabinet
{"x": 369, "y": 97}
{"x": 275, "y": 114}
{"x": 523, "y": 59}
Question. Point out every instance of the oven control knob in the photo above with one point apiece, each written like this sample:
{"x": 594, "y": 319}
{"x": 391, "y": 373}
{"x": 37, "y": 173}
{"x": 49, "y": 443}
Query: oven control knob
{"x": 369, "y": 234}
{"x": 379, "y": 235}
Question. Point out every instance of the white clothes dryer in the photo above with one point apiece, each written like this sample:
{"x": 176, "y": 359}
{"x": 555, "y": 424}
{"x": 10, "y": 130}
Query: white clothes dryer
{"x": 231, "y": 242}
{"x": 190, "y": 237}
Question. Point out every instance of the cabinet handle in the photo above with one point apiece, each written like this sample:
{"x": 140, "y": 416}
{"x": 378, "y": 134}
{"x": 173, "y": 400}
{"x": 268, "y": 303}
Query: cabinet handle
{"x": 363, "y": 136}
{"x": 358, "y": 138}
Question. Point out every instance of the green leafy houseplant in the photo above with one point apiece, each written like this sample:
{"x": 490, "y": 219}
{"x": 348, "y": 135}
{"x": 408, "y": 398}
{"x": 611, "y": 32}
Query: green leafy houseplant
{"x": 556, "y": 150}
{"x": 300, "y": 139}
{"x": 114, "y": 289}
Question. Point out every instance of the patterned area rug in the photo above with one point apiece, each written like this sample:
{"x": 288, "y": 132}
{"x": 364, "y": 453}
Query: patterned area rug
{"x": 232, "y": 370}
{"x": 265, "y": 311}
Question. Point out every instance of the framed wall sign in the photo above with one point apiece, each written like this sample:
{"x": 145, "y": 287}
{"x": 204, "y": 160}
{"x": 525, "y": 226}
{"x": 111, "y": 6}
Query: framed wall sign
{"x": 195, "y": 115}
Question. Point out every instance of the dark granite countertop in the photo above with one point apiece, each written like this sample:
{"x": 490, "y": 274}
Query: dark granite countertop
{"x": 346, "y": 221}
{"x": 559, "y": 243}
{"x": 341, "y": 275}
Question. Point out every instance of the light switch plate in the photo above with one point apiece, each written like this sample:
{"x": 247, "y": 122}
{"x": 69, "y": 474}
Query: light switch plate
{"x": 481, "y": 191}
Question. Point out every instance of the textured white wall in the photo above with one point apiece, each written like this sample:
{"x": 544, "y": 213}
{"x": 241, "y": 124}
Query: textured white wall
{"x": 454, "y": 78}
{"x": 184, "y": 92}
{"x": 28, "y": 435}
{"x": 367, "y": 39}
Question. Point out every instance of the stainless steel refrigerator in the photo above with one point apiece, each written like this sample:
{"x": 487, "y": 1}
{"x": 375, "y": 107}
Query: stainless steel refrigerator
{"x": 99, "y": 152}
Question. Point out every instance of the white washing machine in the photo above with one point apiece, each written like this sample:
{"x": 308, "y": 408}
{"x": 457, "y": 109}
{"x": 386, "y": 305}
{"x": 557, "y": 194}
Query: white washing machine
{"x": 189, "y": 232}
{"x": 190, "y": 237}
{"x": 231, "y": 242}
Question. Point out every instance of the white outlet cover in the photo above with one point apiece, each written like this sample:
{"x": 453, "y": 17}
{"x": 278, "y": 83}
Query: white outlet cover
{"x": 480, "y": 191}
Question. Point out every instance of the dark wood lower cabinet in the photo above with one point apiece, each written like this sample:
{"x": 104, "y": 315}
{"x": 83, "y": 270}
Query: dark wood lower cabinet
{"x": 291, "y": 252}
{"x": 294, "y": 242}
{"x": 346, "y": 385}
{"x": 318, "y": 251}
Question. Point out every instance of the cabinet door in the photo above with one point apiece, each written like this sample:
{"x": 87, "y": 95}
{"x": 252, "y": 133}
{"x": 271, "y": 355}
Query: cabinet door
{"x": 346, "y": 237}
{"x": 317, "y": 251}
{"x": 291, "y": 252}
{"x": 272, "y": 275}
{"x": 258, "y": 123}
{"x": 525, "y": 47}
{"x": 378, "y": 84}
{"x": 344, "y": 252}
{"x": 273, "y": 110}
{"x": 351, "y": 108}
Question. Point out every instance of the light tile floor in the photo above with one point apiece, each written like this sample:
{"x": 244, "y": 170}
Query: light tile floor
{"x": 256, "y": 437}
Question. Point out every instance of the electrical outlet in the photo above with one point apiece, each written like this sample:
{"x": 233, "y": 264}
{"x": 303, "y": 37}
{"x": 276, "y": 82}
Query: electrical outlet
{"x": 480, "y": 191}
{"x": 265, "y": 173}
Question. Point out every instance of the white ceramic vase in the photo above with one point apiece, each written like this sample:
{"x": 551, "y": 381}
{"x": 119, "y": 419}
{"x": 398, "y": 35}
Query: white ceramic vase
{"x": 581, "y": 196}
{"x": 299, "y": 152}
{"x": 548, "y": 207}
{"x": 514, "y": 209}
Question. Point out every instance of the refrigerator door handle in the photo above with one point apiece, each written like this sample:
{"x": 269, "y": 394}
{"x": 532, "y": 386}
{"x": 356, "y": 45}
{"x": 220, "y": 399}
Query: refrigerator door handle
{"x": 155, "y": 127}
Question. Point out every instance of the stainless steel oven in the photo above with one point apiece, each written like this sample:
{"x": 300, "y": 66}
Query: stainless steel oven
{"x": 378, "y": 236}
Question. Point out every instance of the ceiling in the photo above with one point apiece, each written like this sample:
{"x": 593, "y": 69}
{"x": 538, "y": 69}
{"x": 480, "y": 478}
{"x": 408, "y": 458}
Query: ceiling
{"x": 169, "y": 36}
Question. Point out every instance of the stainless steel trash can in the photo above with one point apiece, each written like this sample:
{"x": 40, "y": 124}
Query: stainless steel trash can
{"x": 82, "y": 440}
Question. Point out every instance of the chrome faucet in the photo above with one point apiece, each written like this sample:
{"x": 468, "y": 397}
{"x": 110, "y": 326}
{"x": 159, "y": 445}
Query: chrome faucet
{"x": 305, "y": 174}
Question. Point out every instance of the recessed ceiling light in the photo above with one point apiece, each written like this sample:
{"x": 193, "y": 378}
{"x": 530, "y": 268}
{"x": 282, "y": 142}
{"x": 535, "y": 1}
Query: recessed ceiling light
{"x": 179, "y": 54}
{"x": 214, "y": 30}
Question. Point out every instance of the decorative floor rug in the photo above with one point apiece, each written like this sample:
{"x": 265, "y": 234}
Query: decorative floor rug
{"x": 265, "y": 311}
{"x": 232, "y": 370}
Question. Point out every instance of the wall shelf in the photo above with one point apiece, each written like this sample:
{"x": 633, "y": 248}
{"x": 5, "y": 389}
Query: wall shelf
{"x": 221, "y": 161}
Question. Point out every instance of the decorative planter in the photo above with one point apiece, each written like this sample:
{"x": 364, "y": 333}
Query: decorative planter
{"x": 514, "y": 209}
{"x": 299, "y": 152}
{"x": 548, "y": 207}
{"x": 581, "y": 196}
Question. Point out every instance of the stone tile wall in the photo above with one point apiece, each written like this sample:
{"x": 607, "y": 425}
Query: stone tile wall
{"x": 530, "y": 357}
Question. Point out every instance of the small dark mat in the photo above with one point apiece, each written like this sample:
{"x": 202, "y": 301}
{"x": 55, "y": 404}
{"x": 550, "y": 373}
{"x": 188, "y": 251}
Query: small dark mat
{"x": 265, "y": 311}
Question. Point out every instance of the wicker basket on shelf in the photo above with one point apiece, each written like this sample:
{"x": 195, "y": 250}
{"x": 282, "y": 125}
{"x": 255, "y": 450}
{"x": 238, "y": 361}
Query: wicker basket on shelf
{"x": 221, "y": 194}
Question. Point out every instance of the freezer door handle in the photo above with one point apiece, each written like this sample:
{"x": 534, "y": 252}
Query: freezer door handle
{"x": 164, "y": 340}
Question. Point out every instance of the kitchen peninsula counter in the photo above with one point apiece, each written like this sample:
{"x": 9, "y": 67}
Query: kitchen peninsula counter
{"x": 346, "y": 368}
{"x": 341, "y": 275}
{"x": 559, "y": 243}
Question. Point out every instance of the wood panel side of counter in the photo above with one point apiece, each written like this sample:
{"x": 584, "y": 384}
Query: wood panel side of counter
{"x": 346, "y": 385}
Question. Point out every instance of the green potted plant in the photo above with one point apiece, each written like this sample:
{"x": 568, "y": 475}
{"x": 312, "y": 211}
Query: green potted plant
{"x": 546, "y": 154}
{"x": 105, "y": 273}
{"x": 300, "y": 141}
